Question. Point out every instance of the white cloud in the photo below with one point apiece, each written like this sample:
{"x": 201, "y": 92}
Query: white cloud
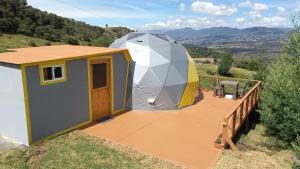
{"x": 259, "y": 7}
{"x": 77, "y": 12}
{"x": 298, "y": 8}
{"x": 256, "y": 8}
{"x": 255, "y": 14}
{"x": 182, "y": 22}
{"x": 240, "y": 20}
{"x": 182, "y": 6}
{"x": 281, "y": 11}
{"x": 268, "y": 21}
{"x": 210, "y": 8}
{"x": 246, "y": 4}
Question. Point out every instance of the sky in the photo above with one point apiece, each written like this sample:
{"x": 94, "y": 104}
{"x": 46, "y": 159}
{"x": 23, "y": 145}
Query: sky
{"x": 175, "y": 14}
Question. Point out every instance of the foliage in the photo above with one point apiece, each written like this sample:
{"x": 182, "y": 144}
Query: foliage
{"x": 280, "y": 104}
{"x": 32, "y": 44}
{"x": 203, "y": 52}
{"x": 210, "y": 69}
{"x": 225, "y": 64}
{"x": 17, "y": 17}
{"x": 10, "y": 41}
{"x": 256, "y": 150}
{"x": 72, "y": 41}
{"x": 296, "y": 147}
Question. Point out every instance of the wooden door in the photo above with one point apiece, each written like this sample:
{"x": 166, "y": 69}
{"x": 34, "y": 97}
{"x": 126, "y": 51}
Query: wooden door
{"x": 100, "y": 81}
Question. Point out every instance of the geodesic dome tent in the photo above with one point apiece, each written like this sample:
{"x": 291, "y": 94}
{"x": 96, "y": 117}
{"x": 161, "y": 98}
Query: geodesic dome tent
{"x": 164, "y": 77}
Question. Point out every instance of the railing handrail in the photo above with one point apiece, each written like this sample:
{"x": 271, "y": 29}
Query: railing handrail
{"x": 242, "y": 101}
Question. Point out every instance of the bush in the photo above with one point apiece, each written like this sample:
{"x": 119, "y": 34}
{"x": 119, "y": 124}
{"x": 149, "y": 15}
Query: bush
{"x": 72, "y": 41}
{"x": 280, "y": 103}
{"x": 32, "y": 44}
{"x": 296, "y": 147}
{"x": 47, "y": 43}
{"x": 225, "y": 64}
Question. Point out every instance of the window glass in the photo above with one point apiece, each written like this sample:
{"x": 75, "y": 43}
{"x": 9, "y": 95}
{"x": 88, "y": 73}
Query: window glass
{"x": 47, "y": 72}
{"x": 51, "y": 73}
{"x": 58, "y": 72}
{"x": 99, "y": 75}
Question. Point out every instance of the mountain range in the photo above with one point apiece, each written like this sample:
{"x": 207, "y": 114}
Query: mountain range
{"x": 248, "y": 41}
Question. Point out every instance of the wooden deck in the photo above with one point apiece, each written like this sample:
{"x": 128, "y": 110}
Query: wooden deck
{"x": 183, "y": 136}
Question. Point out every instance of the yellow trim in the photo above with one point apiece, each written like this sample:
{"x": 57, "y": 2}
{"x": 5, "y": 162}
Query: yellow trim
{"x": 126, "y": 85}
{"x": 90, "y": 88}
{"x": 109, "y": 58}
{"x": 127, "y": 56}
{"x": 112, "y": 86}
{"x": 28, "y": 123}
{"x": 63, "y": 131}
{"x": 191, "y": 89}
{"x": 52, "y": 63}
{"x": 79, "y": 57}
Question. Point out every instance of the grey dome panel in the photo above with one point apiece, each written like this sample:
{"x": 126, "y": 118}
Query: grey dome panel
{"x": 160, "y": 73}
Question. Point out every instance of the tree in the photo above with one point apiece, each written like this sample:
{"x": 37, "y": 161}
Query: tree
{"x": 280, "y": 103}
{"x": 225, "y": 64}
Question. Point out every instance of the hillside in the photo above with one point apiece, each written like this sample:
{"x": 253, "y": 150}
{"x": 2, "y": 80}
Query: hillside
{"x": 241, "y": 42}
{"x": 16, "y": 17}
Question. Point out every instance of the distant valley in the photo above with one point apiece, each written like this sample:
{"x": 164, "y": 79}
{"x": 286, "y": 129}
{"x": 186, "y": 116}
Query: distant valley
{"x": 241, "y": 42}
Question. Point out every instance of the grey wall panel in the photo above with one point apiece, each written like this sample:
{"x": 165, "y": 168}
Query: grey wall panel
{"x": 120, "y": 73}
{"x": 12, "y": 104}
{"x": 59, "y": 106}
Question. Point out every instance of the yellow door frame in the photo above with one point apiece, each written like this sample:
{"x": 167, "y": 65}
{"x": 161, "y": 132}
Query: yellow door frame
{"x": 111, "y": 87}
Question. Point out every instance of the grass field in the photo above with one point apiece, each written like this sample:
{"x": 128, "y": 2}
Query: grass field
{"x": 257, "y": 150}
{"x": 79, "y": 150}
{"x": 9, "y": 41}
{"x": 210, "y": 69}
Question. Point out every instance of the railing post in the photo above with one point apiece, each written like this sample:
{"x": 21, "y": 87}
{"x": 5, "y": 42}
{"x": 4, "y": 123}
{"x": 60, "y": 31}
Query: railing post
{"x": 256, "y": 94}
{"x": 224, "y": 133}
{"x": 233, "y": 123}
{"x": 247, "y": 105}
{"x": 241, "y": 112}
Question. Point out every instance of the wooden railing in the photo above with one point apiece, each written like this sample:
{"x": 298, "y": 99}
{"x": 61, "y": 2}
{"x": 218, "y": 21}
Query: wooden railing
{"x": 235, "y": 120}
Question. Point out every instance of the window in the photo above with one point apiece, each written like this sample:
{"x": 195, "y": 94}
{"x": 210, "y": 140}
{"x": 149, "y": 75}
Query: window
{"x": 50, "y": 74}
{"x": 99, "y": 75}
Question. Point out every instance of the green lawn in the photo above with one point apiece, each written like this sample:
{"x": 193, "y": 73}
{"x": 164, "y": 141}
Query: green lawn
{"x": 210, "y": 69}
{"x": 8, "y": 41}
{"x": 257, "y": 150}
{"x": 79, "y": 150}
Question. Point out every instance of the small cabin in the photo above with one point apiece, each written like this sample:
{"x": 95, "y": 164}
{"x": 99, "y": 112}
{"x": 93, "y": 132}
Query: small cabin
{"x": 47, "y": 91}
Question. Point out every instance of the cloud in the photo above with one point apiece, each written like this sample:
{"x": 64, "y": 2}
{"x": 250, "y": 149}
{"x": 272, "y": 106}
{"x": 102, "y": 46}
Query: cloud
{"x": 238, "y": 20}
{"x": 256, "y": 8}
{"x": 268, "y": 21}
{"x": 246, "y": 4}
{"x": 255, "y": 14}
{"x": 281, "y": 11}
{"x": 77, "y": 12}
{"x": 182, "y": 6}
{"x": 259, "y": 7}
{"x": 210, "y": 8}
{"x": 182, "y": 22}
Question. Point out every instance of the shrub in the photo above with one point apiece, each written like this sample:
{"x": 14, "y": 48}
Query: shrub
{"x": 280, "y": 104}
{"x": 225, "y": 64}
{"x": 47, "y": 43}
{"x": 32, "y": 44}
{"x": 296, "y": 147}
{"x": 72, "y": 41}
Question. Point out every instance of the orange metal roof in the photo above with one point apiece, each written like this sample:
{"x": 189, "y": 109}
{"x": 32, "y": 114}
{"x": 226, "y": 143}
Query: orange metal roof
{"x": 47, "y": 53}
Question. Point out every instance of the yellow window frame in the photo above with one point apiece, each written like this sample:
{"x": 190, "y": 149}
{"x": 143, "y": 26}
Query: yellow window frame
{"x": 53, "y": 64}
